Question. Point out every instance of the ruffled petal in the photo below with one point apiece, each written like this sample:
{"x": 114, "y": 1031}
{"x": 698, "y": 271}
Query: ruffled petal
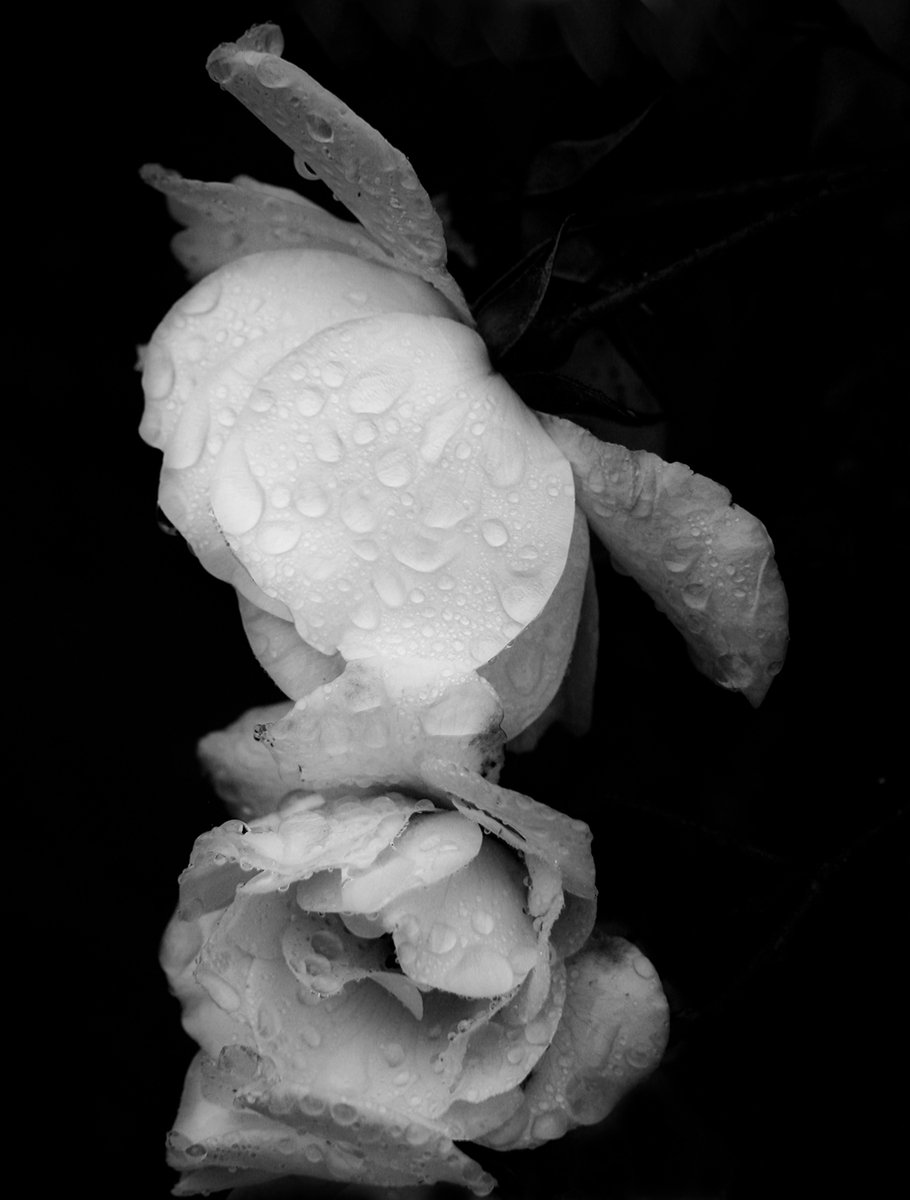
{"x": 243, "y": 772}
{"x": 612, "y": 1034}
{"x": 533, "y": 828}
{"x": 707, "y": 564}
{"x": 366, "y": 173}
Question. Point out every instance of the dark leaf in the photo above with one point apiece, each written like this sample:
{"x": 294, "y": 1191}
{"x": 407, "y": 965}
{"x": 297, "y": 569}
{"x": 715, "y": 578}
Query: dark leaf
{"x": 564, "y": 397}
{"x": 563, "y": 164}
{"x": 506, "y": 309}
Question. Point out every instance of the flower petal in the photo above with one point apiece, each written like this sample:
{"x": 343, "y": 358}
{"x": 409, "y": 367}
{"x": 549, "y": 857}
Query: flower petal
{"x": 612, "y": 1034}
{"x": 296, "y": 667}
{"x": 242, "y": 770}
{"x": 528, "y": 826}
{"x": 528, "y": 673}
{"x": 707, "y": 564}
{"x": 226, "y": 221}
{"x": 367, "y": 174}
{"x": 468, "y": 933}
{"x": 366, "y": 729}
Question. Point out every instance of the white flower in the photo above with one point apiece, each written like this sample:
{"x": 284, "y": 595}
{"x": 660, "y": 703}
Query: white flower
{"x": 371, "y": 979}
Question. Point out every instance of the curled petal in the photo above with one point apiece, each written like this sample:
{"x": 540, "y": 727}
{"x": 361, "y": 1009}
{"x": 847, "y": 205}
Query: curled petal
{"x": 366, "y": 173}
{"x": 242, "y": 770}
{"x": 707, "y": 564}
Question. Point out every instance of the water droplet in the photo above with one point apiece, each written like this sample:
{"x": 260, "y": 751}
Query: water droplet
{"x": 494, "y": 533}
{"x": 357, "y": 298}
{"x": 333, "y": 374}
{"x": 310, "y": 500}
{"x": 696, "y": 595}
{"x": 521, "y": 603}
{"x": 201, "y": 299}
{"x": 515, "y": 1055}
{"x": 343, "y": 1114}
{"x": 272, "y": 72}
{"x": 189, "y": 437}
{"x": 376, "y": 391}
{"x": 393, "y": 1053}
{"x": 537, "y": 1033}
{"x": 425, "y": 554}
{"x": 237, "y": 499}
{"x": 366, "y": 550}
{"x": 311, "y": 1036}
{"x": 482, "y": 923}
{"x": 528, "y": 553}
{"x": 327, "y": 445}
{"x": 196, "y": 1150}
{"x": 357, "y": 510}
{"x": 389, "y": 588}
{"x": 643, "y": 967}
{"x": 442, "y": 938}
{"x": 364, "y": 433}
{"x": 402, "y": 1078}
{"x": 417, "y": 596}
{"x": 278, "y": 537}
{"x": 395, "y": 468}
{"x": 309, "y": 402}
{"x": 366, "y": 615}
{"x": 319, "y": 128}
{"x": 158, "y": 373}
{"x": 638, "y": 1057}
{"x": 303, "y": 168}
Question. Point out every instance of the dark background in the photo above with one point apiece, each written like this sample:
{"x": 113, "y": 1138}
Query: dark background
{"x": 756, "y": 856}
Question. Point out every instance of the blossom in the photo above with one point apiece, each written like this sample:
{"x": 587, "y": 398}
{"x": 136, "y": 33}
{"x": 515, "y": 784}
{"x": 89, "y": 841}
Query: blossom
{"x": 386, "y": 952}
{"x": 383, "y": 982}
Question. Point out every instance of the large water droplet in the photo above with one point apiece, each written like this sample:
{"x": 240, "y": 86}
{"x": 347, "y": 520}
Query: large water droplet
{"x": 278, "y": 537}
{"x": 201, "y": 299}
{"x": 425, "y": 554}
{"x": 157, "y": 373}
{"x": 442, "y": 939}
{"x": 189, "y": 437}
{"x": 521, "y": 603}
{"x": 364, "y": 432}
{"x": 389, "y": 588}
{"x": 395, "y": 468}
{"x": 272, "y": 72}
{"x": 310, "y": 499}
{"x": 237, "y": 499}
{"x": 696, "y": 595}
{"x": 319, "y": 128}
{"x": 366, "y": 615}
{"x": 482, "y": 923}
{"x": 333, "y": 374}
{"x": 357, "y": 510}
{"x": 376, "y": 391}
{"x": 309, "y": 402}
{"x": 494, "y": 533}
{"x": 327, "y": 445}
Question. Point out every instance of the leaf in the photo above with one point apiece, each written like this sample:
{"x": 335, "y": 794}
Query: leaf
{"x": 563, "y": 164}
{"x": 505, "y": 311}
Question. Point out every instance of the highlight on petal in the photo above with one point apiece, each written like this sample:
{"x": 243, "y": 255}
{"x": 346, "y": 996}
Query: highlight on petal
{"x": 365, "y": 172}
{"x": 612, "y": 1034}
{"x": 225, "y": 221}
{"x": 707, "y": 564}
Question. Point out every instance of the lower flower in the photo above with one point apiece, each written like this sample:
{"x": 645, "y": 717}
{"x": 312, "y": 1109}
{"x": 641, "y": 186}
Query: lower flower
{"x": 372, "y": 979}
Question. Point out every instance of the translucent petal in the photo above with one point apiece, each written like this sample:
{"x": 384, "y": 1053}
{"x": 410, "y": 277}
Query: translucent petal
{"x": 226, "y": 221}
{"x": 366, "y": 729}
{"x": 367, "y": 174}
{"x": 707, "y": 564}
{"x": 296, "y": 667}
{"x": 308, "y": 835}
{"x": 525, "y": 824}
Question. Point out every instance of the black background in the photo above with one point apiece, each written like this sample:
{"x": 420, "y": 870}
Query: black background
{"x": 755, "y": 855}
